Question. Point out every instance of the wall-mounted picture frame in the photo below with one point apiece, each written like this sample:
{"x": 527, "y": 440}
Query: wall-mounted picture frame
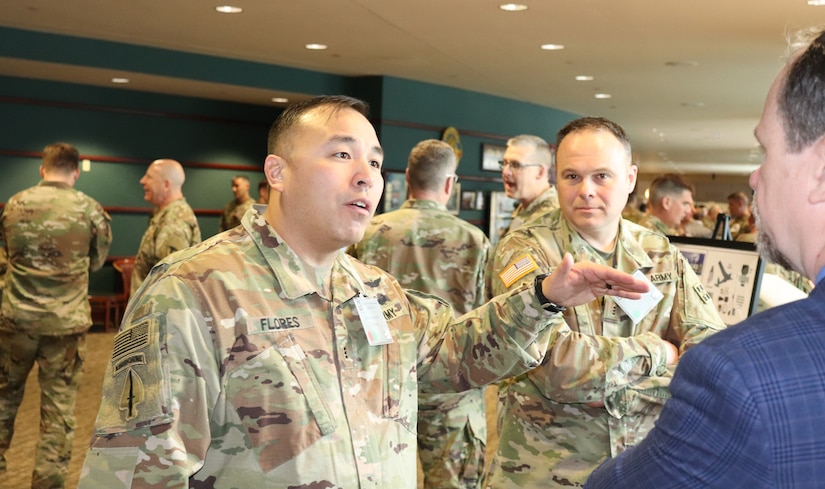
{"x": 491, "y": 154}
{"x": 501, "y": 209}
{"x": 472, "y": 200}
{"x": 730, "y": 272}
{"x": 395, "y": 190}
{"x": 454, "y": 204}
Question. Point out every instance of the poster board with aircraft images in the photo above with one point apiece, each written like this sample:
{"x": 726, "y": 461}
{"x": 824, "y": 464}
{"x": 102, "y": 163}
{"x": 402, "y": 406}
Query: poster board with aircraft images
{"x": 730, "y": 271}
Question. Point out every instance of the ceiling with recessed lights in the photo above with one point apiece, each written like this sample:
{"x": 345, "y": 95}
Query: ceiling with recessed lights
{"x": 687, "y": 79}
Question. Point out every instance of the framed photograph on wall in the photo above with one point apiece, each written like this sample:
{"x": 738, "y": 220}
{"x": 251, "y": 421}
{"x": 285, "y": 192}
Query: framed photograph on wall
{"x": 730, "y": 272}
{"x": 454, "y": 204}
{"x": 501, "y": 208}
{"x": 395, "y": 190}
{"x": 472, "y": 200}
{"x": 491, "y": 154}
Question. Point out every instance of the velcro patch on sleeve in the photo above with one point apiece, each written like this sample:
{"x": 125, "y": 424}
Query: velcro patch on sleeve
{"x": 135, "y": 390}
{"x": 518, "y": 269}
{"x": 702, "y": 293}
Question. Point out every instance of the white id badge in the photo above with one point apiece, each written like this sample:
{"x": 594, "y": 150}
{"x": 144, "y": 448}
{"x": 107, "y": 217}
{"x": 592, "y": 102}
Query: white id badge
{"x": 638, "y": 309}
{"x": 375, "y": 326}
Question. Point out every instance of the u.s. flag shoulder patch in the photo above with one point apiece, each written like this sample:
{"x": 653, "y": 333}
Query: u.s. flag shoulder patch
{"x": 519, "y": 268}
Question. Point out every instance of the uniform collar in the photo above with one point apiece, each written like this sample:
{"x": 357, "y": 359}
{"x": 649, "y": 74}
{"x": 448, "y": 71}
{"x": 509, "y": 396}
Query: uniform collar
{"x": 629, "y": 254}
{"x": 422, "y": 204}
{"x": 288, "y": 268}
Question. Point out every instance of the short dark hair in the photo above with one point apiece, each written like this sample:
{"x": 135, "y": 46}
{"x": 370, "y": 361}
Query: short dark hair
{"x": 61, "y": 158}
{"x": 801, "y": 101}
{"x": 290, "y": 117}
{"x": 594, "y": 124}
{"x": 667, "y": 185}
{"x": 429, "y": 163}
{"x": 739, "y": 196}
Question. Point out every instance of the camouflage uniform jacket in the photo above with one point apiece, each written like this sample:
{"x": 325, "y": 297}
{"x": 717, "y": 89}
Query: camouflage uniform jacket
{"x": 426, "y": 248}
{"x": 404, "y": 243}
{"x": 55, "y": 235}
{"x": 171, "y": 229}
{"x": 543, "y": 204}
{"x": 654, "y": 223}
{"x": 234, "y": 212}
{"x": 231, "y": 370}
{"x": 739, "y": 225}
{"x": 549, "y": 436}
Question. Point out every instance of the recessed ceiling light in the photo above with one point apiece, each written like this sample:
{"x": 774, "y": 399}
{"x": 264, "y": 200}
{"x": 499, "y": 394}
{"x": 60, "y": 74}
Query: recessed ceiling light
{"x": 584, "y": 78}
{"x": 552, "y": 47}
{"x": 682, "y": 63}
{"x": 603, "y": 95}
{"x": 228, "y": 9}
{"x": 512, "y": 7}
{"x": 280, "y": 100}
{"x": 816, "y": 3}
{"x": 316, "y": 46}
{"x": 120, "y": 80}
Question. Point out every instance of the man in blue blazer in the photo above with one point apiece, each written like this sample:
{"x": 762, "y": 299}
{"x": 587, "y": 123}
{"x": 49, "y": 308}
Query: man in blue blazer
{"x": 748, "y": 405}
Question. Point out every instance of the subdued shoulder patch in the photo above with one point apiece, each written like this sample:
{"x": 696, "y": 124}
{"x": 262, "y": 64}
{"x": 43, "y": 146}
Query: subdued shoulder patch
{"x": 518, "y": 269}
{"x": 702, "y": 293}
{"x": 135, "y": 391}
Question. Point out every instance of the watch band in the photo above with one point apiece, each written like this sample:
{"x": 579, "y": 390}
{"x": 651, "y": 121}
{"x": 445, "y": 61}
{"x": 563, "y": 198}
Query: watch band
{"x": 546, "y": 303}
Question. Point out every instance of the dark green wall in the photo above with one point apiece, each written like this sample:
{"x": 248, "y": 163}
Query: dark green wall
{"x": 123, "y": 130}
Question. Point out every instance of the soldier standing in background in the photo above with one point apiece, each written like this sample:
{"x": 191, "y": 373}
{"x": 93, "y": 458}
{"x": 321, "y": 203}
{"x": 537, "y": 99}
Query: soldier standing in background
{"x": 525, "y": 171}
{"x": 426, "y": 248}
{"x": 55, "y": 235}
{"x": 173, "y": 226}
{"x": 237, "y": 207}
{"x": 739, "y": 210}
{"x": 263, "y": 192}
{"x": 669, "y": 203}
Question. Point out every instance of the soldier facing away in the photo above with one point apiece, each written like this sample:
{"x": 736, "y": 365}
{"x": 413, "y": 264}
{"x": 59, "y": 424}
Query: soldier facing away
{"x": 54, "y": 235}
{"x": 426, "y": 248}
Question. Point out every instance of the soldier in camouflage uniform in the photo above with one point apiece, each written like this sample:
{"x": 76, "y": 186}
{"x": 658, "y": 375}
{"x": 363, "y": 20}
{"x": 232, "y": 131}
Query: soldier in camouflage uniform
{"x": 428, "y": 249}
{"x": 553, "y": 433}
{"x": 525, "y": 171}
{"x": 266, "y": 357}
{"x": 237, "y": 207}
{"x": 173, "y": 226}
{"x": 739, "y": 210}
{"x": 55, "y": 235}
{"x": 669, "y": 203}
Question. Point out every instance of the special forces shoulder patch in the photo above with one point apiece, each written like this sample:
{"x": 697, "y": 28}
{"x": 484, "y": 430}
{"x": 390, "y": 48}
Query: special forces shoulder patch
{"x": 518, "y": 269}
{"x": 135, "y": 391}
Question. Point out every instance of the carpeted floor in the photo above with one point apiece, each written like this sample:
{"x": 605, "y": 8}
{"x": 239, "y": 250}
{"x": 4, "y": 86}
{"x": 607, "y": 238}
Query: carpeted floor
{"x": 20, "y": 456}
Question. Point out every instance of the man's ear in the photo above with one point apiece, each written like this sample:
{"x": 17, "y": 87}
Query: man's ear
{"x": 817, "y": 195}
{"x": 274, "y": 170}
{"x": 542, "y": 175}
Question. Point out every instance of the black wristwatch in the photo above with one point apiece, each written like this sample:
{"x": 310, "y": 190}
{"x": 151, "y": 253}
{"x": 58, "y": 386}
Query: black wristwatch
{"x": 546, "y": 303}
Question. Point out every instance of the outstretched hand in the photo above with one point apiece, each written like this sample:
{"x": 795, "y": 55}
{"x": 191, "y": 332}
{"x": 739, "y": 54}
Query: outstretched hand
{"x": 572, "y": 284}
